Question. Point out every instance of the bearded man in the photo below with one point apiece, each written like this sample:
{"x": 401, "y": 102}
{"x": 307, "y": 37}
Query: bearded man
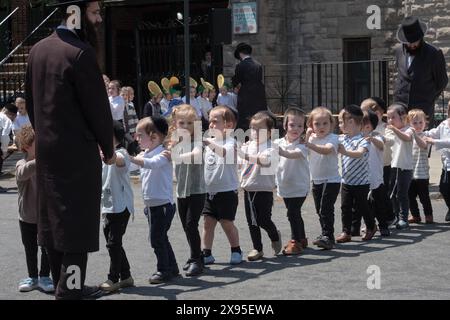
{"x": 70, "y": 113}
{"x": 421, "y": 68}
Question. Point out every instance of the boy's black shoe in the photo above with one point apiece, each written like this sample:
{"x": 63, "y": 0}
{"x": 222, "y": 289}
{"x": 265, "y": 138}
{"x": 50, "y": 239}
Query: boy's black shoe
{"x": 385, "y": 232}
{"x": 195, "y": 269}
{"x": 187, "y": 264}
{"x": 325, "y": 243}
{"x": 91, "y": 292}
{"x": 447, "y": 216}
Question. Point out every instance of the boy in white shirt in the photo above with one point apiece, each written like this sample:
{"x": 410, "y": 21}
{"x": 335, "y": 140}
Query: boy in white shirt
{"x": 221, "y": 184}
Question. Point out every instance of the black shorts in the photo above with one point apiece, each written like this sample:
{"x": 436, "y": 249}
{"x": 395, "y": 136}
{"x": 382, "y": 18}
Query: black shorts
{"x": 222, "y": 205}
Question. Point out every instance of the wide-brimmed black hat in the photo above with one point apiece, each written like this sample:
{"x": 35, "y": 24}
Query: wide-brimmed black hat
{"x": 60, "y": 3}
{"x": 411, "y": 30}
{"x": 242, "y": 48}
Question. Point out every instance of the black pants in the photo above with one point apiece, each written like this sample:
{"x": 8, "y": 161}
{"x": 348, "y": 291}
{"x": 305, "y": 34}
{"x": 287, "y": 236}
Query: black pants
{"x": 419, "y": 187}
{"x": 294, "y": 214}
{"x": 387, "y": 184}
{"x": 68, "y": 272}
{"x": 400, "y": 182}
{"x": 325, "y": 196}
{"x": 114, "y": 229}
{"x": 1, "y": 158}
{"x": 190, "y": 210}
{"x": 159, "y": 220}
{"x": 444, "y": 187}
{"x": 354, "y": 202}
{"x": 258, "y": 210}
{"x": 29, "y": 240}
{"x": 378, "y": 205}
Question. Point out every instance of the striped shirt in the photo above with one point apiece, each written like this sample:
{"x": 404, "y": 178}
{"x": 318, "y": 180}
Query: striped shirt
{"x": 355, "y": 171}
{"x": 420, "y": 160}
{"x": 131, "y": 118}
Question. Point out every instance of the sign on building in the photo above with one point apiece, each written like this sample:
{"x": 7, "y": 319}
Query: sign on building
{"x": 245, "y": 17}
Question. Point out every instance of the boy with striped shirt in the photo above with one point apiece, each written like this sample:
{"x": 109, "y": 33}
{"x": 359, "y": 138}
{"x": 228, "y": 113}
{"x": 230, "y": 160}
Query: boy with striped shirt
{"x": 355, "y": 173}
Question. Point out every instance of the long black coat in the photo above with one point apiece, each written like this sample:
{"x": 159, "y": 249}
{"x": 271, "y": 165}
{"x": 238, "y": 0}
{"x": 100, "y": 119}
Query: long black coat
{"x": 419, "y": 85}
{"x": 252, "y": 95}
{"x": 69, "y": 110}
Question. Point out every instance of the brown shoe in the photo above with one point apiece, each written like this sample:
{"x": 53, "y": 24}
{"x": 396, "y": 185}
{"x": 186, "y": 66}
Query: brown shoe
{"x": 343, "y": 237}
{"x": 304, "y": 243}
{"x": 369, "y": 234}
{"x": 429, "y": 219}
{"x": 414, "y": 219}
{"x": 292, "y": 248}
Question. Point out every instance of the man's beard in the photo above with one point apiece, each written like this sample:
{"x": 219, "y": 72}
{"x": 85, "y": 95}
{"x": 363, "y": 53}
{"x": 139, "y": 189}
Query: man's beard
{"x": 88, "y": 32}
{"x": 414, "y": 51}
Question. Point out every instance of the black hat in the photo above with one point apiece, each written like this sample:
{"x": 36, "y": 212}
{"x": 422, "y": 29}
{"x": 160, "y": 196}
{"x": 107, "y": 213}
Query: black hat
{"x": 61, "y": 3}
{"x": 11, "y": 108}
{"x": 160, "y": 124}
{"x": 242, "y": 48}
{"x": 411, "y": 30}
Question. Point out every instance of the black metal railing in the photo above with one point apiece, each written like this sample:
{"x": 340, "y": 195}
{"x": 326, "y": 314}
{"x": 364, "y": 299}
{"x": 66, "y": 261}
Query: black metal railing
{"x": 13, "y": 65}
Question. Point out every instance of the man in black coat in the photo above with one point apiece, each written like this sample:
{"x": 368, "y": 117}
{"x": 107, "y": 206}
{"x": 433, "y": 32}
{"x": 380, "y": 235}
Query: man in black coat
{"x": 422, "y": 74}
{"x": 249, "y": 77}
{"x": 69, "y": 110}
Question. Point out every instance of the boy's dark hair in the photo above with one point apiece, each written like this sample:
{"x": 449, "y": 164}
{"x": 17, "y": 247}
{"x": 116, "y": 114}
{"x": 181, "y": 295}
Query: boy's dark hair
{"x": 400, "y": 108}
{"x": 370, "y": 117}
{"x": 380, "y": 102}
{"x": 160, "y": 124}
{"x": 11, "y": 108}
{"x": 119, "y": 132}
{"x": 354, "y": 112}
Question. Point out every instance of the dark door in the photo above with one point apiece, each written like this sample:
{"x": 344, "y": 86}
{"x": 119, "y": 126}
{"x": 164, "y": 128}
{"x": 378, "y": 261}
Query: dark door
{"x": 357, "y": 73}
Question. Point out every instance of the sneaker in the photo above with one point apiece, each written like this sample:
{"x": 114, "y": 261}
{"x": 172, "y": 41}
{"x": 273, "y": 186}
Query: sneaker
{"x": 46, "y": 284}
{"x": 384, "y": 232}
{"x": 159, "y": 277}
{"x": 292, "y": 248}
{"x": 255, "y": 255}
{"x": 277, "y": 245}
{"x": 187, "y": 264}
{"x": 208, "y": 260}
{"x": 195, "y": 269}
{"x": 110, "y": 286}
{"x": 325, "y": 243}
{"x": 128, "y": 282}
{"x": 393, "y": 223}
{"x": 28, "y": 284}
{"x": 402, "y": 225}
{"x": 236, "y": 258}
{"x": 447, "y": 216}
{"x": 317, "y": 240}
{"x": 369, "y": 234}
{"x": 414, "y": 219}
{"x": 343, "y": 237}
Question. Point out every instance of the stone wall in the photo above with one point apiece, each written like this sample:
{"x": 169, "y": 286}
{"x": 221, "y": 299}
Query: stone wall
{"x": 301, "y": 32}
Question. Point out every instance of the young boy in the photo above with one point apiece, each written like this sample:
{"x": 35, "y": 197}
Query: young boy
{"x": 378, "y": 197}
{"x": 355, "y": 174}
{"x": 157, "y": 191}
{"x": 221, "y": 184}
{"x": 27, "y": 190}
